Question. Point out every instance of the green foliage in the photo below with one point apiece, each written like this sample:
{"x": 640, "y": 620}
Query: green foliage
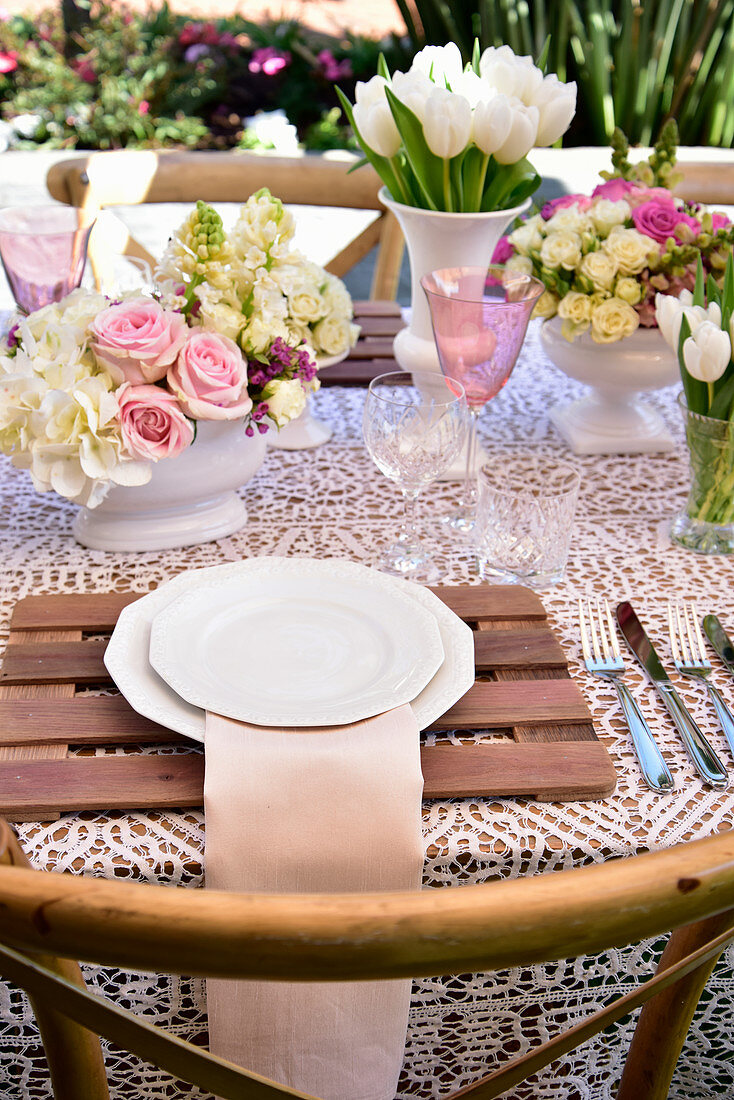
{"x": 636, "y": 62}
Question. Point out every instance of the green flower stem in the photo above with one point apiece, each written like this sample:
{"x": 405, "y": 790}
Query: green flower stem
{"x": 448, "y": 201}
{"x": 405, "y": 196}
{"x": 479, "y": 193}
{"x": 710, "y": 387}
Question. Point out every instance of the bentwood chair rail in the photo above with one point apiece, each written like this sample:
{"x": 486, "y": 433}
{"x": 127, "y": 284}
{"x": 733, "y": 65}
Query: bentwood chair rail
{"x": 689, "y": 888}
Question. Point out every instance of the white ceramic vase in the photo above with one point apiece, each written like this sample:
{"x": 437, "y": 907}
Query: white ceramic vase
{"x": 437, "y": 239}
{"x": 611, "y": 419}
{"x": 188, "y": 500}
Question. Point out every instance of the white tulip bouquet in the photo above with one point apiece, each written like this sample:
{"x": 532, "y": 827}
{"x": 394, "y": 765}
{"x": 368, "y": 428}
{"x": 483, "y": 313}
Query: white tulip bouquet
{"x": 445, "y": 136}
{"x": 699, "y": 326}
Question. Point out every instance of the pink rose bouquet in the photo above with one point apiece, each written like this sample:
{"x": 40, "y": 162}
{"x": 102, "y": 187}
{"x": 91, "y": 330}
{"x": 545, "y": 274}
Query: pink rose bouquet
{"x": 603, "y": 257}
{"x": 94, "y": 391}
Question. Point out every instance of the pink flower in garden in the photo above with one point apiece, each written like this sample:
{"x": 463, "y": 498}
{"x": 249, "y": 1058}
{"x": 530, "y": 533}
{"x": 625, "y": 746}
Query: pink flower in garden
{"x": 152, "y": 422}
{"x": 269, "y": 60}
{"x": 84, "y": 70}
{"x": 143, "y": 107}
{"x": 199, "y": 32}
{"x": 503, "y": 251}
{"x": 549, "y": 208}
{"x": 8, "y": 61}
{"x": 660, "y": 218}
{"x": 331, "y": 68}
{"x": 209, "y": 378}
{"x": 137, "y": 340}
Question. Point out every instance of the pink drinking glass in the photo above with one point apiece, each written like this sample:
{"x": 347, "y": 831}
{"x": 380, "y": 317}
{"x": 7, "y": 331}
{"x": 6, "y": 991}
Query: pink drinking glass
{"x": 480, "y": 316}
{"x": 43, "y": 251}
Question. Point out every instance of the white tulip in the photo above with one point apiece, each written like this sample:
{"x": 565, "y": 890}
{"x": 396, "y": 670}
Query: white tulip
{"x": 669, "y": 314}
{"x": 373, "y": 117}
{"x": 521, "y": 137}
{"x": 413, "y": 89}
{"x": 512, "y": 75}
{"x": 447, "y": 123}
{"x": 491, "y": 123}
{"x": 443, "y": 64}
{"x": 557, "y": 105}
{"x": 686, "y": 297}
{"x": 707, "y": 353}
{"x": 472, "y": 87}
{"x": 713, "y": 313}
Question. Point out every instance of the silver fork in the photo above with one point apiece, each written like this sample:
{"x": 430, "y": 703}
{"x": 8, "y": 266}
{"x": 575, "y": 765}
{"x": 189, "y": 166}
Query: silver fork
{"x": 602, "y": 657}
{"x": 689, "y": 656}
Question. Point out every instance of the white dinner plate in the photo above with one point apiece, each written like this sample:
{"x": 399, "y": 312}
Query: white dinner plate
{"x": 127, "y": 660}
{"x": 296, "y": 642}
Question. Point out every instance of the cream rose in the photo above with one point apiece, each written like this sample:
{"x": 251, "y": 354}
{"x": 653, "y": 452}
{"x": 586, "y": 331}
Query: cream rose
{"x": 523, "y": 265}
{"x": 575, "y": 311}
{"x": 569, "y": 217}
{"x": 599, "y": 268}
{"x": 306, "y": 303}
{"x": 629, "y": 290}
{"x": 631, "y": 250}
{"x": 546, "y": 305}
{"x": 527, "y": 237}
{"x": 605, "y": 215}
{"x": 285, "y": 398}
{"x": 334, "y": 335}
{"x": 562, "y": 249}
{"x": 612, "y": 320}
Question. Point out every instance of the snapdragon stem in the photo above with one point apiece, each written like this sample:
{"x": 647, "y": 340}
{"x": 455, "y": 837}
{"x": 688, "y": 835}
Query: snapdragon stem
{"x": 447, "y": 184}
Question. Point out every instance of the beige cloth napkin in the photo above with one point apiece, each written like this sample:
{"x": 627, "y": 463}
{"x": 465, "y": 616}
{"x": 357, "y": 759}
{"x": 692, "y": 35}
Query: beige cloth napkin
{"x": 314, "y": 811}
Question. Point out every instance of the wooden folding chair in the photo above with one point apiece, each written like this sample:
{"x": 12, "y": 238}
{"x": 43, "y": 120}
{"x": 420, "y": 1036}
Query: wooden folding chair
{"x": 353, "y": 937}
{"x": 709, "y": 182}
{"x": 127, "y": 178}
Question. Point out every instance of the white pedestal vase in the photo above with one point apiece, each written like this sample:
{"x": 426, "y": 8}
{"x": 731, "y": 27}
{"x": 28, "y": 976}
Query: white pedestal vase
{"x": 436, "y": 239}
{"x": 189, "y": 499}
{"x": 611, "y": 419}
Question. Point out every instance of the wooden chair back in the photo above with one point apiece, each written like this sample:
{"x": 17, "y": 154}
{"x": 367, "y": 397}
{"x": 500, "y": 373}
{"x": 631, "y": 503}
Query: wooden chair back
{"x": 301, "y": 938}
{"x": 126, "y": 178}
{"x": 709, "y": 182}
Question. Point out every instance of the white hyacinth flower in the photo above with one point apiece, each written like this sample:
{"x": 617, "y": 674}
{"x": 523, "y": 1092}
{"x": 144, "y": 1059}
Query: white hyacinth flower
{"x": 447, "y": 124}
{"x": 373, "y": 117}
{"x": 707, "y": 352}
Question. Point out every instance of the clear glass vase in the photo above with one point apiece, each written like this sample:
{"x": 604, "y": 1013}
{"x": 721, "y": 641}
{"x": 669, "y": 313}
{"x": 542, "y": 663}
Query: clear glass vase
{"x": 706, "y": 524}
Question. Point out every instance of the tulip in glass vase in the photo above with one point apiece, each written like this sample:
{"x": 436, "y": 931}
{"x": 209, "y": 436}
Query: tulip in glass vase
{"x": 700, "y": 326}
{"x": 450, "y": 142}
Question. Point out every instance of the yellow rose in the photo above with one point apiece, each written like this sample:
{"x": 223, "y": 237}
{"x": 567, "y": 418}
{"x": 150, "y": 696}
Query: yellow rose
{"x": 546, "y": 305}
{"x": 599, "y": 268}
{"x": 629, "y": 290}
{"x": 561, "y": 249}
{"x": 630, "y": 249}
{"x": 523, "y": 265}
{"x": 612, "y": 320}
{"x": 575, "y": 309}
{"x": 527, "y": 237}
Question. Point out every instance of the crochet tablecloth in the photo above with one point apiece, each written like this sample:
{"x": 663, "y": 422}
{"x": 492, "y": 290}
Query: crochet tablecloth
{"x": 333, "y": 502}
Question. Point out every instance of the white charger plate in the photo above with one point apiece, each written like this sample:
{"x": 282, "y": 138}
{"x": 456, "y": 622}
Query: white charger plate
{"x": 296, "y": 642}
{"x": 127, "y": 660}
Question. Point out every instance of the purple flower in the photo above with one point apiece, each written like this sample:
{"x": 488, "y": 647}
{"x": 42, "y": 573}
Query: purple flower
{"x": 503, "y": 251}
{"x": 331, "y": 68}
{"x": 269, "y": 60}
{"x": 195, "y": 52}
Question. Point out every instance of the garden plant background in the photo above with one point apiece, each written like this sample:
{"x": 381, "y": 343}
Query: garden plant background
{"x": 104, "y": 75}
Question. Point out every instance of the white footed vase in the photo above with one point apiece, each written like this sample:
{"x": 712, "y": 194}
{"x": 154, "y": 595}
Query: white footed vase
{"x": 189, "y": 499}
{"x": 438, "y": 239}
{"x": 611, "y": 419}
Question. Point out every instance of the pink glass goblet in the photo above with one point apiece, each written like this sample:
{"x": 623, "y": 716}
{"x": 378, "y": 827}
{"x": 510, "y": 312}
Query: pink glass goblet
{"x": 43, "y": 251}
{"x": 480, "y": 316}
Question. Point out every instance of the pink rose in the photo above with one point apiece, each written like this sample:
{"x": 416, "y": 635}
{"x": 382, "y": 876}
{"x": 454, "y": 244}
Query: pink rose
{"x": 614, "y": 189}
{"x": 210, "y": 378}
{"x": 549, "y": 208}
{"x": 137, "y": 340}
{"x": 659, "y": 219}
{"x": 719, "y": 221}
{"x": 153, "y": 424}
{"x": 640, "y": 194}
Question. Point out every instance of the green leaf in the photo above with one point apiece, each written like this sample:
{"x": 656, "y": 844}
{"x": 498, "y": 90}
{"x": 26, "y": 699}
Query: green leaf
{"x": 382, "y": 165}
{"x": 699, "y": 296}
{"x": 476, "y": 54}
{"x": 721, "y": 406}
{"x": 542, "y": 61}
{"x": 509, "y": 184}
{"x": 426, "y": 166}
{"x": 382, "y": 69}
{"x": 712, "y": 291}
{"x": 696, "y": 392}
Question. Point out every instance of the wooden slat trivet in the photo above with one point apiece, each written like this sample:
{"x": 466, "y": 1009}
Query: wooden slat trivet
{"x": 524, "y": 690}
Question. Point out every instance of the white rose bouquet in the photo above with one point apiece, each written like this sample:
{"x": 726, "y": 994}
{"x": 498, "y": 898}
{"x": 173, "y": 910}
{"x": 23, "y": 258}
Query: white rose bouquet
{"x": 94, "y": 391}
{"x": 445, "y": 136}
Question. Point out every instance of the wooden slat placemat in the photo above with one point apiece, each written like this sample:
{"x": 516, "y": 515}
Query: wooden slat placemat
{"x": 372, "y": 354}
{"x": 523, "y": 690}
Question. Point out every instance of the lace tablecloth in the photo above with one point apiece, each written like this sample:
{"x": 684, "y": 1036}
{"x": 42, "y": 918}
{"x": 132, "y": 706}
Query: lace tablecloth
{"x": 333, "y": 502}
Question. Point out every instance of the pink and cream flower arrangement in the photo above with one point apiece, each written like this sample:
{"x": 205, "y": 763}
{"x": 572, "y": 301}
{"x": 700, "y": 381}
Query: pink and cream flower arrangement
{"x": 604, "y": 257}
{"x": 93, "y": 391}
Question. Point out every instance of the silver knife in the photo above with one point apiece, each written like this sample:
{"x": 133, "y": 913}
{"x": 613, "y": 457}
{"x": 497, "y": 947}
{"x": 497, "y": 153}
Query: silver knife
{"x": 720, "y": 641}
{"x": 705, "y": 760}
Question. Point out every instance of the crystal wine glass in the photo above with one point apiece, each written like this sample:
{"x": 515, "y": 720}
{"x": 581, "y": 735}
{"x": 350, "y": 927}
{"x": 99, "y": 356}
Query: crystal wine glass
{"x": 480, "y": 316}
{"x": 414, "y": 427}
{"x": 43, "y": 251}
